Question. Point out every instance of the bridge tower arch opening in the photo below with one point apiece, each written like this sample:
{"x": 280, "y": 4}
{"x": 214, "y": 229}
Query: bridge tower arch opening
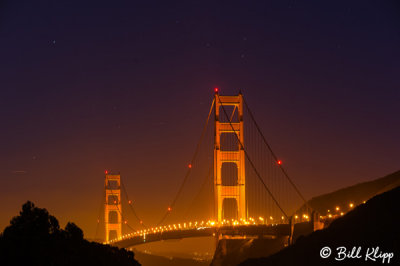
{"x": 229, "y": 209}
{"x": 112, "y": 210}
{"x": 233, "y": 105}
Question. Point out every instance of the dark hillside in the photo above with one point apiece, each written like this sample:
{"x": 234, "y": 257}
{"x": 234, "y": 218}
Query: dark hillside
{"x": 356, "y": 194}
{"x": 370, "y": 225}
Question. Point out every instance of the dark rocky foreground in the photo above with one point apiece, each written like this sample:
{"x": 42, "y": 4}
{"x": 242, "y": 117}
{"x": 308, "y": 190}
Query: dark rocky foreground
{"x": 35, "y": 238}
{"x": 371, "y": 225}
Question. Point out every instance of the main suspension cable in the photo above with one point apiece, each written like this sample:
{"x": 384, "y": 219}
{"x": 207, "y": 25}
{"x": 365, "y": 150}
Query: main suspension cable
{"x": 273, "y": 154}
{"x": 170, "y": 208}
{"x": 119, "y": 211}
{"x": 131, "y": 207}
{"x": 251, "y": 162}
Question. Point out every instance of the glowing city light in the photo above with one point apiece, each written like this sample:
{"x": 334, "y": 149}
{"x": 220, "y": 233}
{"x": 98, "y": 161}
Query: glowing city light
{"x": 351, "y": 205}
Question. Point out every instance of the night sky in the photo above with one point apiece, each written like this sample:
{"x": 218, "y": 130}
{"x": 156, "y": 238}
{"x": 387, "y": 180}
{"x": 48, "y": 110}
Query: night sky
{"x": 87, "y": 86}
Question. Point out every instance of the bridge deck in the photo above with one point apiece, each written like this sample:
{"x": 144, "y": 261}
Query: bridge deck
{"x": 240, "y": 230}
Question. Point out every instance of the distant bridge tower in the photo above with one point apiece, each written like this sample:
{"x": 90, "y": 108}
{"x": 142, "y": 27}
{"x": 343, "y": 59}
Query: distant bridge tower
{"x": 112, "y": 210}
{"x": 233, "y": 191}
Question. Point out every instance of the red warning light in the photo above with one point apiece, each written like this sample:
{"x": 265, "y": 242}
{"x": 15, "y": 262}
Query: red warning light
{"x": 216, "y": 90}
{"x": 169, "y": 209}
{"x": 106, "y": 172}
{"x": 125, "y": 222}
{"x": 279, "y": 162}
{"x": 115, "y": 202}
{"x": 190, "y": 165}
{"x": 130, "y": 202}
{"x": 141, "y": 222}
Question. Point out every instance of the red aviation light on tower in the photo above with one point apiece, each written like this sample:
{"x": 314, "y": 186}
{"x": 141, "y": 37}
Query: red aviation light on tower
{"x": 279, "y": 162}
{"x": 169, "y": 209}
{"x": 190, "y": 165}
{"x": 216, "y": 90}
{"x": 106, "y": 172}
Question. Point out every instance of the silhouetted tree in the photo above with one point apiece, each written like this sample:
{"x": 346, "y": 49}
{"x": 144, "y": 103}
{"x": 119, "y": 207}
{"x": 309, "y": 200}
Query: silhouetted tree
{"x": 35, "y": 238}
{"x": 32, "y": 222}
{"x": 73, "y": 231}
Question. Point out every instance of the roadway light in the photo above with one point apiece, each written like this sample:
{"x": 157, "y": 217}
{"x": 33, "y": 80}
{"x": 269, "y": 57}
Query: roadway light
{"x": 351, "y": 205}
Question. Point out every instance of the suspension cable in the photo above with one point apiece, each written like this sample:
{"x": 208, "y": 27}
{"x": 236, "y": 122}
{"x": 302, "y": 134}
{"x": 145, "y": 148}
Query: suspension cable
{"x": 273, "y": 154}
{"x": 100, "y": 211}
{"x": 251, "y": 162}
{"x": 189, "y": 169}
{"x": 207, "y": 177}
{"x": 131, "y": 207}
{"x": 119, "y": 211}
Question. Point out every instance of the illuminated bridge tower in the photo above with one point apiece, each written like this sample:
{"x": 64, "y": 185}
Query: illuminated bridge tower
{"x": 112, "y": 210}
{"x": 237, "y": 190}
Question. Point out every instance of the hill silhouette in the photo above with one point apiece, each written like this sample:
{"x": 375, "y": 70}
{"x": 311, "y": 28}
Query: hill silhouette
{"x": 35, "y": 238}
{"x": 370, "y": 225}
{"x": 355, "y": 194}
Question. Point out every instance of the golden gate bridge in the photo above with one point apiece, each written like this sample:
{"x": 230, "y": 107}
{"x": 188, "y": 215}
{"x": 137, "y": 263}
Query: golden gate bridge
{"x": 243, "y": 190}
